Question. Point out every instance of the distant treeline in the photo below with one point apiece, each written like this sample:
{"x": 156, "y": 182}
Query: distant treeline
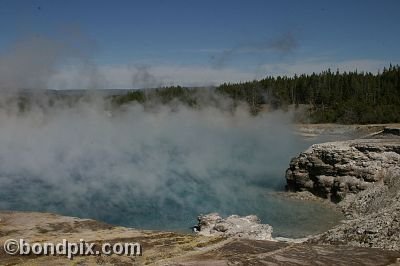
{"x": 329, "y": 97}
{"x": 162, "y": 95}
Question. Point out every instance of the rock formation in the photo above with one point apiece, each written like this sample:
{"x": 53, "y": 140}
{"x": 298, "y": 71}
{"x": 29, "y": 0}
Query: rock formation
{"x": 248, "y": 227}
{"x": 334, "y": 169}
{"x": 373, "y": 218}
{"x": 363, "y": 177}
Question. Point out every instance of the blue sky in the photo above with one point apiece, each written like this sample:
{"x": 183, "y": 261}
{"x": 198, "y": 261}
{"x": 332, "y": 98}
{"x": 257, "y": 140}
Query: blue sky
{"x": 204, "y": 42}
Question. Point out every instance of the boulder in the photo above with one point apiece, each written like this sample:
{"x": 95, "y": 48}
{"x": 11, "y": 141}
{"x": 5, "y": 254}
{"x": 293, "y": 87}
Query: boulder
{"x": 247, "y": 227}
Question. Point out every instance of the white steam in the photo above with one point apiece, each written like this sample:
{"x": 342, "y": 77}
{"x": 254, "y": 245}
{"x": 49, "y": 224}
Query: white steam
{"x": 83, "y": 161}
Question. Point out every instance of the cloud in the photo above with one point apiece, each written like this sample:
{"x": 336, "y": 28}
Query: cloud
{"x": 37, "y": 62}
{"x": 317, "y": 65}
{"x": 199, "y": 75}
{"x": 146, "y": 76}
{"x": 150, "y": 76}
{"x": 282, "y": 45}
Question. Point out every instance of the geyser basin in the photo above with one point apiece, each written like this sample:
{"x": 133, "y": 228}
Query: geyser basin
{"x": 153, "y": 169}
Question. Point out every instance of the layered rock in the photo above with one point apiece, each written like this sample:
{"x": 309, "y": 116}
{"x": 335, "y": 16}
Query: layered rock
{"x": 335, "y": 169}
{"x": 363, "y": 177}
{"x": 247, "y": 227}
{"x": 373, "y": 218}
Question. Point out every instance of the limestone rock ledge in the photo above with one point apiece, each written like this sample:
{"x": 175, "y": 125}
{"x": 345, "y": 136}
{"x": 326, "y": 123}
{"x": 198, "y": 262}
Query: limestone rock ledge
{"x": 335, "y": 169}
{"x": 363, "y": 177}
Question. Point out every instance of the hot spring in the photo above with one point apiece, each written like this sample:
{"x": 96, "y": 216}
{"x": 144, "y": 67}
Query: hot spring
{"x": 156, "y": 169}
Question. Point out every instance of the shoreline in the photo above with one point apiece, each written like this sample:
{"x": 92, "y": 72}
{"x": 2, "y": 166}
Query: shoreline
{"x": 170, "y": 248}
{"x": 339, "y": 245}
{"x": 312, "y": 130}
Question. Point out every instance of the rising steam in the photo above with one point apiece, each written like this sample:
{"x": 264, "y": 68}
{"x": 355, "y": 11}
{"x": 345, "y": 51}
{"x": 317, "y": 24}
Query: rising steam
{"x": 84, "y": 161}
{"x": 153, "y": 167}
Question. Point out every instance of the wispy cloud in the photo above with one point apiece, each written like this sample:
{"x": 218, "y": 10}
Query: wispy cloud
{"x": 320, "y": 64}
{"x": 150, "y": 76}
{"x": 146, "y": 76}
{"x": 42, "y": 62}
{"x": 283, "y": 44}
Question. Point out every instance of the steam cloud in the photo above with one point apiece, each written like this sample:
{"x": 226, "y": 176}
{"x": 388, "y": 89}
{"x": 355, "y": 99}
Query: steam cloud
{"x": 155, "y": 168}
{"x": 142, "y": 78}
{"x": 39, "y": 62}
{"x": 30, "y": 63}
{"x": 142, "y": 168}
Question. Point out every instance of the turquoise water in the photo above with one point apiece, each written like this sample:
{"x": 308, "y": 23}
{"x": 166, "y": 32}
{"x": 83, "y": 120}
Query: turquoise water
{"x": 179, "y": 210}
